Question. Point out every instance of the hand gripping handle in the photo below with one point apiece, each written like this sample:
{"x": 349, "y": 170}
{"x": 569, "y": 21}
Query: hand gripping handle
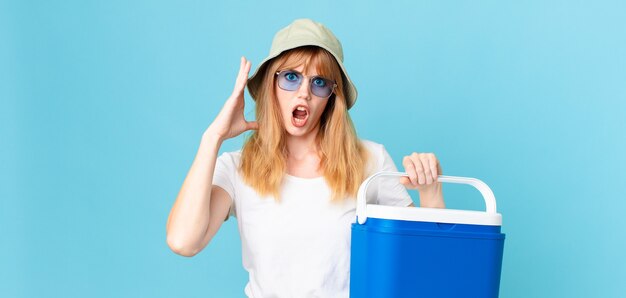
{"x": 361, "y": 207}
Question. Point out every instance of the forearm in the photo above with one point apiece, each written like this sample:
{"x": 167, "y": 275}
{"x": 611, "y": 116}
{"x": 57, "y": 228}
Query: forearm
{"x": 189, "y": 218}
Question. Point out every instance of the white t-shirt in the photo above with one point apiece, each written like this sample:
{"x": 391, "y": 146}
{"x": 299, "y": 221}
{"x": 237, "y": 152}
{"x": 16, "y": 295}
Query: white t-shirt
{"x": 300, "y": 246}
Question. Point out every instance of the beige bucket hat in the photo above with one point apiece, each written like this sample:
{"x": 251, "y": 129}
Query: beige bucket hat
{"x": 304, "y": 32}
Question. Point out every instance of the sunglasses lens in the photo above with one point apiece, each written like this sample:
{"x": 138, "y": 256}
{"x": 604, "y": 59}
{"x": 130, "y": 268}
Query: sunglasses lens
{"x": 290, "y": 80}
{"x": 321, "y": 87}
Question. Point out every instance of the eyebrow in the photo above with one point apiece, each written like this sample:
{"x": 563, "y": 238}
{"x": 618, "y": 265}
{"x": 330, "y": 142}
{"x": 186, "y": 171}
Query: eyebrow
{"x": 313, "y": 75}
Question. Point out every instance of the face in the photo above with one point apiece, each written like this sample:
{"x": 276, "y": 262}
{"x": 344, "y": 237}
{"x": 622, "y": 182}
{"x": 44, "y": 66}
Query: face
{"x": 301, "y": 109}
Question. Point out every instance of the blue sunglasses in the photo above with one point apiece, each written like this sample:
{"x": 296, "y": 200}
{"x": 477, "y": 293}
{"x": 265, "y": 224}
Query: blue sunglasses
{"x": 290, "y": 80}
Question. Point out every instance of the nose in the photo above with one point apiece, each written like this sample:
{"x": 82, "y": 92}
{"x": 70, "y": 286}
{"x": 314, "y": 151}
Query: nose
{"x": 304, "y": 91}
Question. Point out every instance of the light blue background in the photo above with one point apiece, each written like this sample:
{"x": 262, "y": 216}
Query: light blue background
{"x": 103, "y": 104}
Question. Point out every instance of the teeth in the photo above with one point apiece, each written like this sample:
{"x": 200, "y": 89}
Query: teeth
{"x": 300, "y": 109}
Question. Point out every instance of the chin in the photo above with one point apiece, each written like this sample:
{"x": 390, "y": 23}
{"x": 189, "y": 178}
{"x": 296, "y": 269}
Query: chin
{"x": 297, "y": 131}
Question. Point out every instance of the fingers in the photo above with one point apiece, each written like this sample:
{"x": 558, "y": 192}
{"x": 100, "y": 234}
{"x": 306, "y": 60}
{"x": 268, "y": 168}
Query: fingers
{"x": 409, "y": 168}
{"x": 434, "y": 167}
{"x": 422, "y": 169}
{"x": 242, "y": 76}
{"x": 405, "y": 180}
{"x": 439, "y": 171}
{"x": 419, "y": 168}
{"x": 430, "y": 166}
{"x": 427, "y": 169}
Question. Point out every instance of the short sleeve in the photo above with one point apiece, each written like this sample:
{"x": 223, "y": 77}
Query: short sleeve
{"x": 224, "y": 177}
{"x": 389, "y": 191}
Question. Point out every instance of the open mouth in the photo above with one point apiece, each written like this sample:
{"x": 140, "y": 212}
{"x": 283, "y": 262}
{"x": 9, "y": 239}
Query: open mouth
{"x": 299, "y": 116}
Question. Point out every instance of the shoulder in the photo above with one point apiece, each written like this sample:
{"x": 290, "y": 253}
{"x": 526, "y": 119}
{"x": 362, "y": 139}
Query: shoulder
{"x": 231, "y": 159}
{"x": 375, "y": 149}
{"x": 377, "y": 154}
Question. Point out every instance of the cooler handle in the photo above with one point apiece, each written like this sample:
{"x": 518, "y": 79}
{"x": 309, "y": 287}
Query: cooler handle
{"x": 361, "y": 207}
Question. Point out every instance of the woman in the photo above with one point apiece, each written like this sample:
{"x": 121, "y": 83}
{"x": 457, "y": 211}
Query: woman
{"x": 292, "y": 187}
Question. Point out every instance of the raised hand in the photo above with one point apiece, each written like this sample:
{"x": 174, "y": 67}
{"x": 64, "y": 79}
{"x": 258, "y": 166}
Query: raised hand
{"x": 230, "y": 122}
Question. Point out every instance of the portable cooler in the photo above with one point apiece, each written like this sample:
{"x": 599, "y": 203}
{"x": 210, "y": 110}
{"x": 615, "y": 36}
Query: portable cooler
{"x": 426, "y": 252}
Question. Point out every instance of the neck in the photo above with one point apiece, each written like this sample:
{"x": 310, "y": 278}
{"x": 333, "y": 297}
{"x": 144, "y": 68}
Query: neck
{"x": 300, "y": 147}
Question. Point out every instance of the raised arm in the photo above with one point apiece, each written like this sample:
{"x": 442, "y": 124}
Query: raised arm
{"x": 200, "y": 207}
